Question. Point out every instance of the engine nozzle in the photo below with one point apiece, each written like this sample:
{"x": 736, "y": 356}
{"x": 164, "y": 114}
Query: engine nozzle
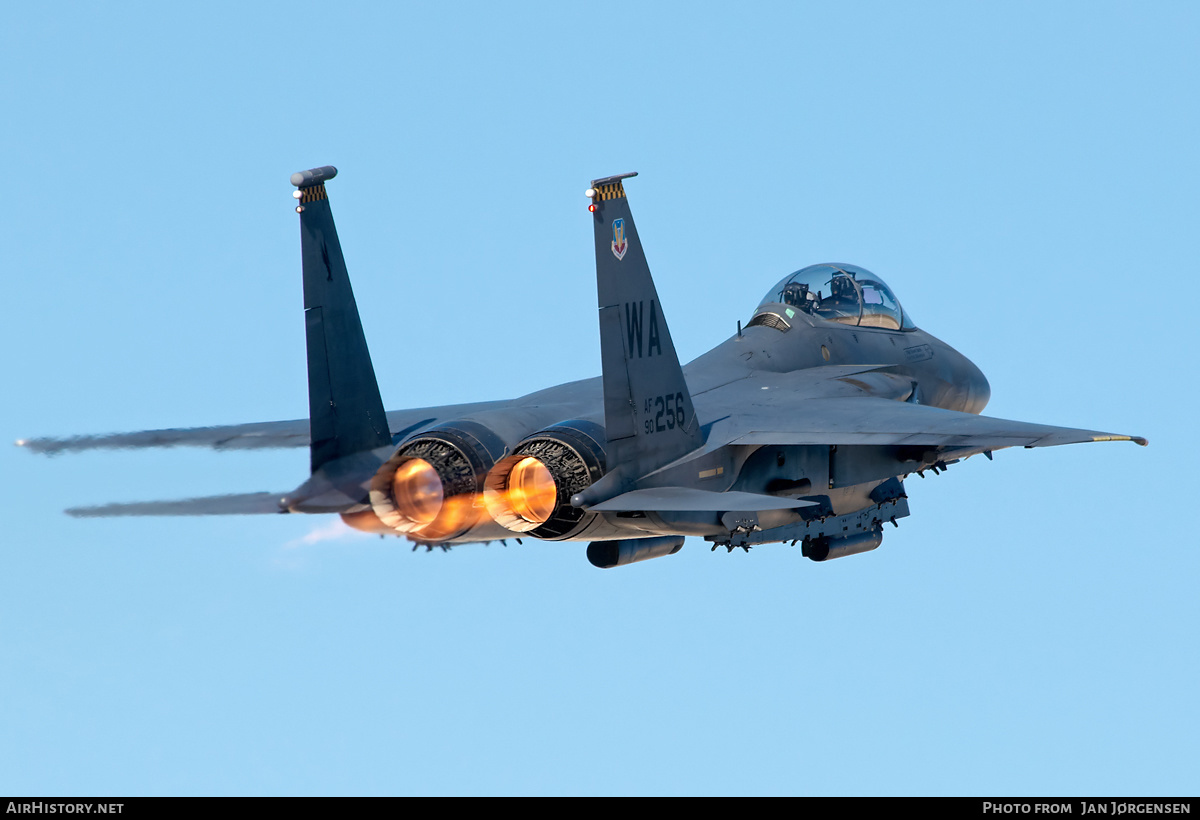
{"x": 530, "y": 490}
{"x": 430, "y": 488}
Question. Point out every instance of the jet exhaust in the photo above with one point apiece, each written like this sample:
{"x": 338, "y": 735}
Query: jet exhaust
{"x": 530, "y": 491}
{"x": 431, "y": 488}
{"x": 367, "y": 521}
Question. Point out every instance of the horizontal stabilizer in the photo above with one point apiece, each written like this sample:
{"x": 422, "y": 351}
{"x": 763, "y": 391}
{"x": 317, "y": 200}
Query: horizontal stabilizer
{"x": 687, "y": 499}
{"x": 239, "y": 504}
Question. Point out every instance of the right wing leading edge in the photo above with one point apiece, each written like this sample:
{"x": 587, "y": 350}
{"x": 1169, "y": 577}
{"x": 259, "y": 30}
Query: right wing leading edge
{"x": 885, "y": 422}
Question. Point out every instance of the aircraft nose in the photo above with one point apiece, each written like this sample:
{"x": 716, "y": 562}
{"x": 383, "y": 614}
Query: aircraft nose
{"x": 979, "y": 392}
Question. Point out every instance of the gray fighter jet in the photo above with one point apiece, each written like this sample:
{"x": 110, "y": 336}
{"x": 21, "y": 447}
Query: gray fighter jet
{"x": 799, "y": 428}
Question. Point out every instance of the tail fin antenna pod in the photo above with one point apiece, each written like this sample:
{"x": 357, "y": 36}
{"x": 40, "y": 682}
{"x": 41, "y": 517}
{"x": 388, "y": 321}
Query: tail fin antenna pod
{"x": 346, "y": 413}
{"x": 648, "y": 412}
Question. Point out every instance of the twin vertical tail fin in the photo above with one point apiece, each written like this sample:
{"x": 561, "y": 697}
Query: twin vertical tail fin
{"x": 345, "y": 410}
{"x": 648, "y": 412}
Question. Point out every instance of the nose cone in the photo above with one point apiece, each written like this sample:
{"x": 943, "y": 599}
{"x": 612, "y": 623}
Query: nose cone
{"x": 979, "y": 392}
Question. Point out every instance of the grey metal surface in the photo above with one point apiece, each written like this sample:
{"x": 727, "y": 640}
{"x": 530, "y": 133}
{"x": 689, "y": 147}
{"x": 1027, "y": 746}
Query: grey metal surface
{"x": 609, "y": 554}
{"x": 672, "y": 499}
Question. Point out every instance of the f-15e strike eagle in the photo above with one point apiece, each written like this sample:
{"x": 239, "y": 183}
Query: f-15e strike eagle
{"x": 799, "y": 428}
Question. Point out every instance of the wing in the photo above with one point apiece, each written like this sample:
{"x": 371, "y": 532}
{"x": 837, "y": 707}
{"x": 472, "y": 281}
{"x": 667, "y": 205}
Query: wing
{"x": 260, "y": 435}
{"x": 229, "y": 437}
{"x": 240, "y": 504}
{"x": 869, "y": 420}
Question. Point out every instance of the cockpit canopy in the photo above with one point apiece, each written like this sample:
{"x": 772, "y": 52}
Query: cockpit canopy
{"x": 840, "y": 293}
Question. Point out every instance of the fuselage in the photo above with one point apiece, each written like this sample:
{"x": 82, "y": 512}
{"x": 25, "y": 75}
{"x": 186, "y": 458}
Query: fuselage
{"x": 943, "y": 377}
{"x": 940, "y": 375}
{"x": 903, "y": 365}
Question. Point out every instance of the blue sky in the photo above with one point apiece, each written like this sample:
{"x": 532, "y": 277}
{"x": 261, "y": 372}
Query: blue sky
{"x": 1023, "y": 176}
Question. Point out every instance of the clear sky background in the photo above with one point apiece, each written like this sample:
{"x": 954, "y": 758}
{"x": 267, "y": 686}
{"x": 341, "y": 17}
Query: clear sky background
{"x": 1025, "y": 178}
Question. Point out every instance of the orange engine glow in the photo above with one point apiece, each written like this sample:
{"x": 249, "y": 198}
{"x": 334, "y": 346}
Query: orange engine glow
{"x": 418, "y": 491}
{"x": 531, "y": 491}
{"x": 456, "y": 514}
{"x": 367, "y": 521}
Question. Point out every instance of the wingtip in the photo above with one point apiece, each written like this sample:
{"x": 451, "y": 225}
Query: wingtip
{"x": 1138, "y": 440}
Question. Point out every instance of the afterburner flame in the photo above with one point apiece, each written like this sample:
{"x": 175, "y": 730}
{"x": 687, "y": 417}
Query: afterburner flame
{"x": 431, "y": 495}
{"x": 531, "y": 492}
{"x": 417, "y": 490}
{"x": 520, "y": 493}
{"x": 421, "y": 498}
{"x": 367, "y": 521}
{"x": 456, "y": 513}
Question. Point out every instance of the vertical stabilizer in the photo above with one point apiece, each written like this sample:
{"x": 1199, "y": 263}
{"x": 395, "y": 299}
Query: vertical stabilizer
{"x": 344, "y": 408}
{"x": 648, "y": 411}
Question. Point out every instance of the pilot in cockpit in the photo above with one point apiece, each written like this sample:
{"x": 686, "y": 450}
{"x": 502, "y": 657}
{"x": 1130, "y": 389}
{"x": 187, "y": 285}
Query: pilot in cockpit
{"x": 842, "y": 291}
{"x": 797, "y": 294}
